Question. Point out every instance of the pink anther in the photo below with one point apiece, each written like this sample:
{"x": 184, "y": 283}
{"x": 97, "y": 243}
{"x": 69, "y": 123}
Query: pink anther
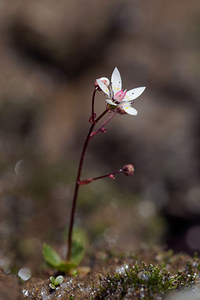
{"x": 119, "y": 96}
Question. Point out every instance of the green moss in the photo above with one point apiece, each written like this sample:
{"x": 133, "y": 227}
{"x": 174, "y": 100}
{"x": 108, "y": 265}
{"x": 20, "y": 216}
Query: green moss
{"x": 145, "y": 282}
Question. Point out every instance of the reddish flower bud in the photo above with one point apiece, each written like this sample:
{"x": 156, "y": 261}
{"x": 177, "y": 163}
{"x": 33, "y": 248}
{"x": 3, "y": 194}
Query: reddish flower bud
{"x": 103, "y": 130}
{"x": 128, "y": 170}
{"x": 105, "y": 80}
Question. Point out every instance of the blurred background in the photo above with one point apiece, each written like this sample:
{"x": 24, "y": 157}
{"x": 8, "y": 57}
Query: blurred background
{"x": 51, "y": 52}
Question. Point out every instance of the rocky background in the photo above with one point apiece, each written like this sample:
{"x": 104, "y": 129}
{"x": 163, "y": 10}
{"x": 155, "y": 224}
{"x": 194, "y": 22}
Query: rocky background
{"x": 51, "y": 52}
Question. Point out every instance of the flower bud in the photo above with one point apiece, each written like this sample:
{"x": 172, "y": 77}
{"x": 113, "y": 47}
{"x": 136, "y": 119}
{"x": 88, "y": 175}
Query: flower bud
{"x": 128, "y": 170}
{"x": 105, "y": 80}
{"x": 103, "y": 130}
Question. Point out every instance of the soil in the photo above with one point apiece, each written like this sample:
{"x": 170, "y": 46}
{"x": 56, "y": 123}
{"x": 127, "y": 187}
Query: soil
{"x": 86, "y": 285}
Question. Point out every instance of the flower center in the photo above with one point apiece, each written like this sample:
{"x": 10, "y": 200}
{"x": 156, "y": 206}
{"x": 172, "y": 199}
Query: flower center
{"x": 119, "y": 96}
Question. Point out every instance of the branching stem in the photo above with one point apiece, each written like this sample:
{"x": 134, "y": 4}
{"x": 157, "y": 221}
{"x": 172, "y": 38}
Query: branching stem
{"x": 76, "y": 189}
{"x": 111, "y": 175}
{"x": 102, "y": 129}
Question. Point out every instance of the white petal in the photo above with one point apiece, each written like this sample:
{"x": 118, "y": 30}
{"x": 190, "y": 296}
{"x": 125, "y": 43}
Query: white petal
{"x": 129, "y": 110}
{"x": 111, "y": 102}
{"x": 116, "y": 81}
{"x": 103, "y": 87}
{"x": 134, "y": 93}
{"x": 105, "y": 80}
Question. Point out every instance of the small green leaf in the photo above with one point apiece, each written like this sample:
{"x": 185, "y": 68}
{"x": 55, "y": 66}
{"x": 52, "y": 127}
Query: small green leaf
{"x": 69, "y": 266}
{"x": 74, "y": 272}
{"x": 54, "y": 261}
{"x": 51, "y": 256}
{"x": 66, "y": 266}
{"x": 58, "y": 280}
{"x": 79, "y": 235}
{"x": 52, "y": 279}
{"x": 78, "y": 252}
{"x": 79, "y": 241}
{"x": 52, "y": 286}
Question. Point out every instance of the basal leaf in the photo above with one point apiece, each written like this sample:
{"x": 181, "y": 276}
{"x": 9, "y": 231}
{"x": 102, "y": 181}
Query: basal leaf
{"x": 51, "y": 256}
{"x": 78, "y": 252}
{"x": 66, "y": 266}
{"x": 54, "y": 260}
{"x": 79, "y": 235}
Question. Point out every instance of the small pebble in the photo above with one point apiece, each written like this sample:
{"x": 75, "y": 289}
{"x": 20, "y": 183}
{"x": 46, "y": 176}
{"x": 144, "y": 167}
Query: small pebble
{"x": 24, "y": 274}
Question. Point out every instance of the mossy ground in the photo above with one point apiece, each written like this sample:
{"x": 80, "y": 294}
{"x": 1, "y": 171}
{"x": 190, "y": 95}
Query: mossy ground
{"x": 144, "y": 282}
{"x": 150, "y": 274}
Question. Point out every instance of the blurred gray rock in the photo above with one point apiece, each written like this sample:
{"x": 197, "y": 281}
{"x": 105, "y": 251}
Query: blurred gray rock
{"x": 185, "y": 295}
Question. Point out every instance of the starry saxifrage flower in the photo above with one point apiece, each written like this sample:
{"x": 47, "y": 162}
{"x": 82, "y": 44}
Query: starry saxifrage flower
{"x": 117, "y": 97}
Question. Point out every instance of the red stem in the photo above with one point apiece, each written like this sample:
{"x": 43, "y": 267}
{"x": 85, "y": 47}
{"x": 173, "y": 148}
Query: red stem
{"x": 77, "y": 184}
{"x": 101, "y": 128}
{"x": 101, "y": 116}
{"x": 76, "y": 193}
{"x": 111, "y": 175}
{"x": 93, "y": 113}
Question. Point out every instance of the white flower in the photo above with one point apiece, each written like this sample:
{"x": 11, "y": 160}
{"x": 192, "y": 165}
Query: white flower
{"x": 118, "y": 97}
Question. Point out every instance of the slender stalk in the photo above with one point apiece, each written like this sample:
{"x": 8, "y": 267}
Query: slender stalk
{"x": 111, "y": 175}
{"x": 93, "y": 113}
{"x": 101, "y": 129}
{"x": 76, "y": 192}
{"x": 77, "y": 183}
{"x": 101, "y": 116}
